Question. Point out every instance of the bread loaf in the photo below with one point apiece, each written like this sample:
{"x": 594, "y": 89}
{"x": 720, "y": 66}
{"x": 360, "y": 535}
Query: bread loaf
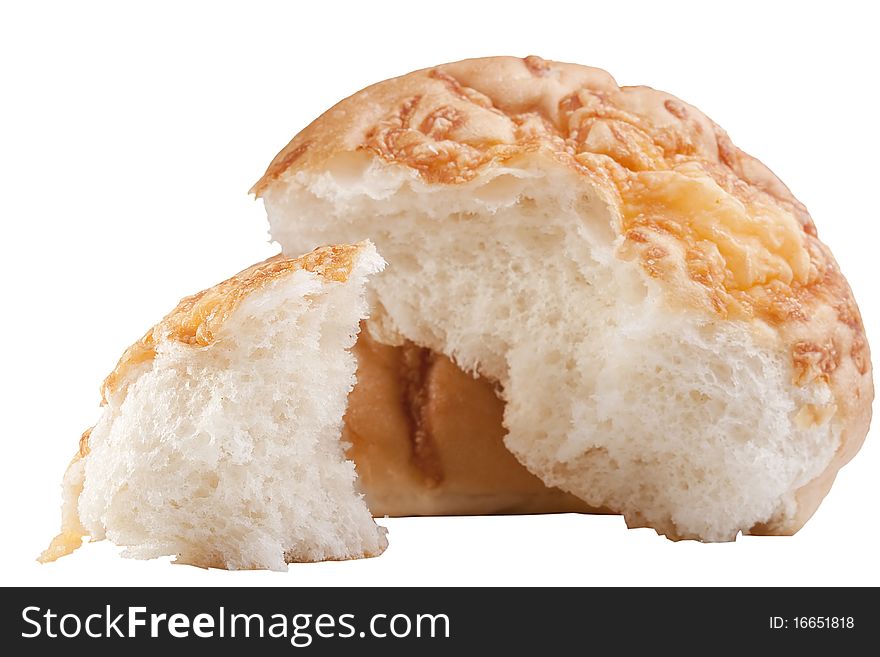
{"x": 669, "y": 336}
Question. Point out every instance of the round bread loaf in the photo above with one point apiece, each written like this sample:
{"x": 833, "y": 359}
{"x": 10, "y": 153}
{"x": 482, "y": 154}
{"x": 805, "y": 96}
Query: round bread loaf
{"x": 670, "y": 337}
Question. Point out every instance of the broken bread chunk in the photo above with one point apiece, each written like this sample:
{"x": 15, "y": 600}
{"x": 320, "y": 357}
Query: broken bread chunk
{"x": 220, "y": 442}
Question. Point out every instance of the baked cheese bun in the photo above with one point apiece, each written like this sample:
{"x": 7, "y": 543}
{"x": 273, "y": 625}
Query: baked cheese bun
{"x": 670, "y": 338}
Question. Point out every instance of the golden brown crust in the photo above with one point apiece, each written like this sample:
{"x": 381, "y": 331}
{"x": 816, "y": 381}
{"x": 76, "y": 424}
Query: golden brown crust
{"x": 197, "y": 318}
{"x": 716, "y": 226}
{"x": 84, "y": 443}
{"x": 467, "y": 469}
{"x": 66, "y": 542}
{"x": 72, "y": 532}
{"x": 746, "y": 245}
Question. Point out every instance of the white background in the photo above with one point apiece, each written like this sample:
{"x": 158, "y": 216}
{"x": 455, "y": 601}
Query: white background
{"x": 131, "y": 132}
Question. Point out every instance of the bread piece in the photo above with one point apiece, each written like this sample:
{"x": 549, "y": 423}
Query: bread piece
{"x": 220, "y": 437}
{"x": 427, "y": 440}
{"x": 670, "y": 337}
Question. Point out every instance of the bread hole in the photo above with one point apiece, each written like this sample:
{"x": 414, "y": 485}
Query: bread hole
{"x": 259, "y": 353}
{"x": 202, "y": 440}
{"x": 466, "y": 216}
{"x": 722, "y": 371}
{"x": 503, "y": 189}
{"x": 209, "y": 485}
{"x": 348, "y": 167}
{"x": 698, "y": 396}
{"x": 527, "y": 203}
{"x": 279, "y": 412}
{"x": 596, "y": 220}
